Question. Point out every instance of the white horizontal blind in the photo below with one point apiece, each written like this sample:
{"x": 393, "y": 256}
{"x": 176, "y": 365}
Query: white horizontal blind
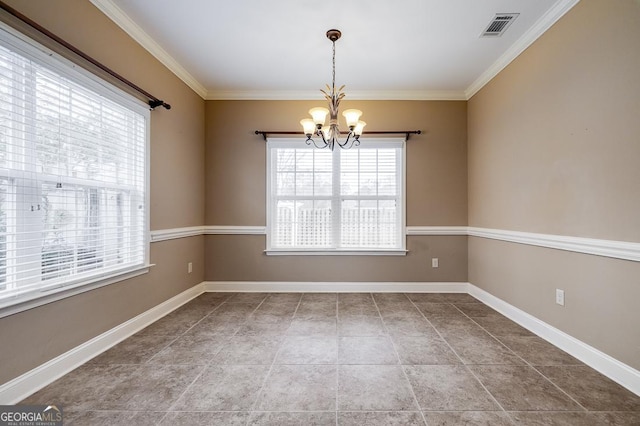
{"x": 72, "y": 178}
{"x": 369, "y": 193}
{"x": 341, "y": 200}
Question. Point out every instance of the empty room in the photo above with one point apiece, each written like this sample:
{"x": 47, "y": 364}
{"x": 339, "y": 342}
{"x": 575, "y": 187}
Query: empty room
{"x": 420, "y": 212}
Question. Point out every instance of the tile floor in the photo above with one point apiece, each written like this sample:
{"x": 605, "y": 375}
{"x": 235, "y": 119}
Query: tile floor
{"x": 346, "y": 359}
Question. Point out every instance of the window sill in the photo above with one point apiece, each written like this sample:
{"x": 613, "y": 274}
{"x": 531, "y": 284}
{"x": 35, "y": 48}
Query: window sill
{"x": 31, "y": 300}
{"x": 336, "y": 252}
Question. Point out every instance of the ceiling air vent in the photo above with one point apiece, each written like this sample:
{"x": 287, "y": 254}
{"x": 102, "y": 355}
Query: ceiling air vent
{"x": 499, "y": 24}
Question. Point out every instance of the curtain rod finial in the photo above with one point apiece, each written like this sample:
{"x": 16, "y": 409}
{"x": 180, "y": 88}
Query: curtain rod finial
{"x": 154, "y": 103}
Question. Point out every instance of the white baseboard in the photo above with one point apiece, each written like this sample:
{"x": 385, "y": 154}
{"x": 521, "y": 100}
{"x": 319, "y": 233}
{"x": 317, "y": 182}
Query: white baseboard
{"x": 21, "y": 387}
{"x": 598, "y": 360}
{"x": 337, "y": 287}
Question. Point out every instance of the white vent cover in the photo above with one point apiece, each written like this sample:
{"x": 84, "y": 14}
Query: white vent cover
{"x": 499, "y": 24}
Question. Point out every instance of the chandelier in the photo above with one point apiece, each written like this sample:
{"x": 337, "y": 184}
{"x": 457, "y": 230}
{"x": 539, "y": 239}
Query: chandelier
{"x": 315, "y": 126}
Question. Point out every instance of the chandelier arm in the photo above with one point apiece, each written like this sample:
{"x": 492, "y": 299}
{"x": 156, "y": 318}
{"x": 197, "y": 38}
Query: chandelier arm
{"x": 343, "y": 145}
{"x": 310, "y": 140}
{"x": 355, "y": 141}
{"x": 324, "y": 140}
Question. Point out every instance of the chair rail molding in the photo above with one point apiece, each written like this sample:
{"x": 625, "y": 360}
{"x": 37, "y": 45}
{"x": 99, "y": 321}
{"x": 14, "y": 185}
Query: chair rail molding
{"x": 607, "y": 248}
{"x": 625, "y": 250}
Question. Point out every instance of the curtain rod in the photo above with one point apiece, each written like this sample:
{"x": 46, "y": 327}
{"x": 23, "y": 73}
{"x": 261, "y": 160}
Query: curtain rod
{"x": 153, "y": 101}
{"x": 265, "y": 134}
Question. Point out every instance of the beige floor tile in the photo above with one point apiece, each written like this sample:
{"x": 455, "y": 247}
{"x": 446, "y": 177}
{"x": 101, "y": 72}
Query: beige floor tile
{"x": 224, "y": 388}
{"x": 299, "y": 388}
{"x": 591, "y": 389}
{"x": 448, "y": 387}
{"x": 521, "y": 388}
{"x": 374, "y": 388}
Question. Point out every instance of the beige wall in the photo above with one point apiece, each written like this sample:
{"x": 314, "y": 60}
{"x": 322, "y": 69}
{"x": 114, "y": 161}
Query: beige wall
{"x": 177, "y": 197}
{"x": 241, "y": 258}
{"x": 236, "y": 191}
{"x": 554, "y": 148}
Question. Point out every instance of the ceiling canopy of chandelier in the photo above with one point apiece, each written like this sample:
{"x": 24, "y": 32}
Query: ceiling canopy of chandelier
{"x": 330, "y": 134}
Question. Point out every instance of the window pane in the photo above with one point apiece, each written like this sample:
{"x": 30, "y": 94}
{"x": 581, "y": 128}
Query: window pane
{"x": 285, "y": 184}
{"x": 303, "y": 224}
{"x": 368, "y": 184}
{"x": 286, "y": 160}
{"x": 350, "y": 226}
{"x": 284, "y": 224}
{"x": 387, "y": 184}
{"x": 369, "y": 223}
{"x": 386, "y": 160}
{"x": 304, "y": 160}
{"x": 368, "y": 172}
{"x": 367, "y": 160}
{"x": 313, "y": 224}
{"x": 323, "y": 161}
{"x": 322, "y": 184}
{"x": 349, "y": 162}
{"x": 387, "y": 223}
{"x": 304, "y": 183}
{"x": 349, "y": 183}
{"x": 84, "y": 228}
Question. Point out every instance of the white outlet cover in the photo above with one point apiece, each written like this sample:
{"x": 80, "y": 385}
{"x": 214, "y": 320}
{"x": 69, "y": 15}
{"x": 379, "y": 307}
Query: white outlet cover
{"x": 560, "y": 297}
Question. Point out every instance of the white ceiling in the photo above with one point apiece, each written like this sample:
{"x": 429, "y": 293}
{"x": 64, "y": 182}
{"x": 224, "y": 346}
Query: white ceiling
{"x": 277, "y": 49}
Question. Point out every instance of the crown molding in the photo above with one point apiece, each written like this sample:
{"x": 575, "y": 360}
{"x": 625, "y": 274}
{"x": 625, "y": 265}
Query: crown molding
{"x": 361, "y": 95}
{"x": 540, "y": 27}
{"x": 117, "y": 15}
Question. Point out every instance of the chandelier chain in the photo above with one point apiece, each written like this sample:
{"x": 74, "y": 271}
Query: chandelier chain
{"x": 334, "y": 67}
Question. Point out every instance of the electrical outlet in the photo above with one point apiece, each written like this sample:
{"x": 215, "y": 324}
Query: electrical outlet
{"x": 560, "y": 297}
{"x": 189, "y": 267}
{"x": 434, "y": 262}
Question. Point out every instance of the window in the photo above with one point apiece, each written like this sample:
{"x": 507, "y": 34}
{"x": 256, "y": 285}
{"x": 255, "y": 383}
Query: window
{"x": 73, "y": 182}
{"x": 335, "y": 202}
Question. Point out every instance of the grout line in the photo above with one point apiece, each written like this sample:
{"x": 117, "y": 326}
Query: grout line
{"x": 186, "y": 331}
{"x": 415, "y": 399}
{"x": 460, "y": 358}
{"x": 203, "y": 368}
{"x": 266, "y": 377}
{"x": 159, "y": 422}
{"x": 527, "y": 363}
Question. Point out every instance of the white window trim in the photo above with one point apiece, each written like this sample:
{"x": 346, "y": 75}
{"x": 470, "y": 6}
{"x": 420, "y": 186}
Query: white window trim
{"x": 31, "y": 48}
{"x": 336, "y": 252}
{"x": 402, "y": 251}
{"x": 33, "y": 300}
